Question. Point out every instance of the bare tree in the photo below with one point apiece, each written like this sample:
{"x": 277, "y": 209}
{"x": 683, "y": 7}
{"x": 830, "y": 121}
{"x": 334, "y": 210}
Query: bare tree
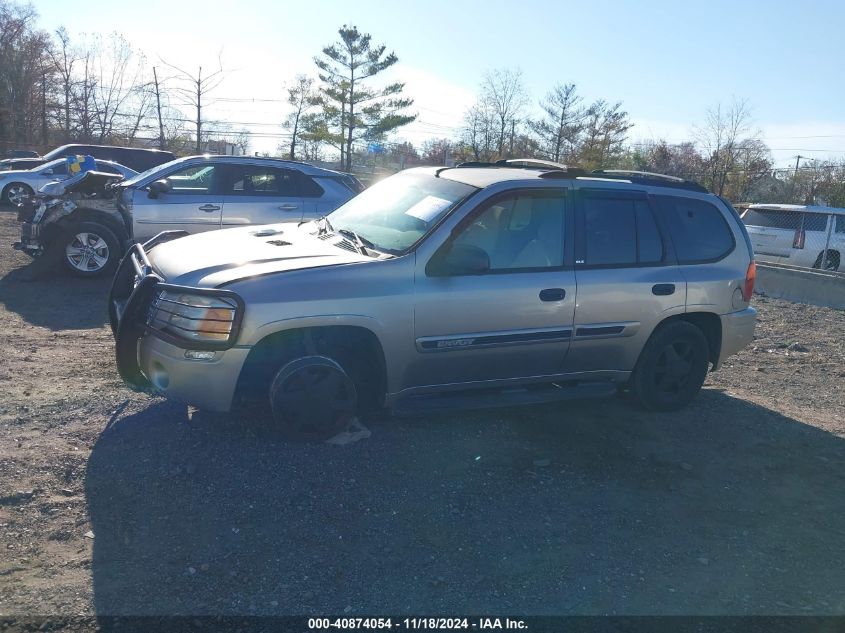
{"x": 721, "y": 136}
{"x": 302, "y": 97}
{"x": 115, "y": 83}
{"x": 437, "y": 151}
{"x": 194, "y": 91}
{"x": 478, "y": 133}
{"x": 504, "y": 97}
{"x": 64, "y": 58}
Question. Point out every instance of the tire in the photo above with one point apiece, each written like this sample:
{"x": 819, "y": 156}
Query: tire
{"x": 672, "y": 367}
{"x": 14, "y": 192}
{"x": 831, "y": 262}
{"x": 312, "y": 398}
{"x": 89, "y": 249}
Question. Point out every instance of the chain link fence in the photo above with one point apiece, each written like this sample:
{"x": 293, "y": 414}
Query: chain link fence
{"x": 803, "y": 236}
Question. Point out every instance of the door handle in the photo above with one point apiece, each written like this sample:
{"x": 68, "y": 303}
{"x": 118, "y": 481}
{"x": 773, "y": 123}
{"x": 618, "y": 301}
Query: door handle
{"x": 552, "y": 294}
{"x": 208, "y": 208}
{"x": 288, "y": 207}
{"x": 663, "y": 290}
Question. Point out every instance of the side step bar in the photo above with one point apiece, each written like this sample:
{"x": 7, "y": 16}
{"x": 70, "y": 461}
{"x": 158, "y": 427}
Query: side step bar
{"x": 488, "y": 398}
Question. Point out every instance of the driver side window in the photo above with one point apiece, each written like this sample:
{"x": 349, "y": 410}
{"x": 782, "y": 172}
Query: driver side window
{"x": 523, "y": 231}
{"x": 193, "y": 180}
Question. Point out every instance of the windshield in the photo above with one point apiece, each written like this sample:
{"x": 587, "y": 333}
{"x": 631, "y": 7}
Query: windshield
{"x": 58, "y": 166}
{"x": 396, "y": 212}
{"x": 152, "y": 171}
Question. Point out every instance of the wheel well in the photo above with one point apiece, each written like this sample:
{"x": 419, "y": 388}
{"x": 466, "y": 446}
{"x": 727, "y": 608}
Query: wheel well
{"x": 710, "y": 324}
{"x": 357, "y": 349}
{"x": 832, "y": 253}
{"x": 52, "y": 231}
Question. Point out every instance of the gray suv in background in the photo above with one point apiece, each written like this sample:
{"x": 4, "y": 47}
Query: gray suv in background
{"x": 508, "y": 283}
{"x": 201, "y": 193}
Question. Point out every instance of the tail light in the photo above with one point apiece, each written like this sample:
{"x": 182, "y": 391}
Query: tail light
{"x": 798, "y": 240}
{"x": 750, "y": 278}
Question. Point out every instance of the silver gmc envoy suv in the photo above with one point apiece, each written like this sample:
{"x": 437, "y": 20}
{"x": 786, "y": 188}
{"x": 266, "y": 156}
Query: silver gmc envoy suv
{"x": 507, "y": 283}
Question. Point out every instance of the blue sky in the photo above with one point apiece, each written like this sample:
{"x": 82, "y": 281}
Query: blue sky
{"x": 666, "y": 61}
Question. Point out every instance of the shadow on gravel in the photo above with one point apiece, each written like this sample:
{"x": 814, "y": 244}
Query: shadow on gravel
{"x": 46, "y": 296}
{"x": 725, "y": 508}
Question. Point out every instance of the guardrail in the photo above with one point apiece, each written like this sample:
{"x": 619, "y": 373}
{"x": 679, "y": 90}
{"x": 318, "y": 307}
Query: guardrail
{"x": 815, "y": 287}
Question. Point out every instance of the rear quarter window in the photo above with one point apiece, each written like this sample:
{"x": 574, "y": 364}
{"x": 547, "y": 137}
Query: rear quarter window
{"x": 772, "y": 219}
{"x": 308, "y": 187}
{"x": 698, "y": 229}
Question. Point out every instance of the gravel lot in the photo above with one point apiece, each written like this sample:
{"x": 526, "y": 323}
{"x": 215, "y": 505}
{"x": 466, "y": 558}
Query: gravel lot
{"x": 113, "y": 502}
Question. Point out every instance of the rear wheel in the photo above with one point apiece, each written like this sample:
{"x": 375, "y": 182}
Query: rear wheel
{"x": 89, "y": 249}
{"x": 831, "y": 261}
{"x": 312, "y": 398}
{"x": 672, "y": 367}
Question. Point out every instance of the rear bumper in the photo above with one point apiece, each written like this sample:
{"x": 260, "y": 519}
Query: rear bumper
{"x": 737, "y": 332}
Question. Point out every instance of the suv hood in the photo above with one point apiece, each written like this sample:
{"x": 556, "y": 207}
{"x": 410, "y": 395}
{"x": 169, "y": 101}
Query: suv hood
{"x": 220, "y": 257}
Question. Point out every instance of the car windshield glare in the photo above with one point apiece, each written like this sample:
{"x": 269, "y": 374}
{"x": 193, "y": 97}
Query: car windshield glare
{"x": 397, "y": 212}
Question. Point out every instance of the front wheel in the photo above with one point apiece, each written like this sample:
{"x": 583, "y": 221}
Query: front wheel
{"x": 312, "y": 398}
{"x": 672, "y": 367}
{"x": 89, "y": 249}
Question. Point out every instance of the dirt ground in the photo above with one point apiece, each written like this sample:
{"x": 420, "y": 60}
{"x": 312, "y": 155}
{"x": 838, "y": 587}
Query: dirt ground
{"x": 114, "y": 502}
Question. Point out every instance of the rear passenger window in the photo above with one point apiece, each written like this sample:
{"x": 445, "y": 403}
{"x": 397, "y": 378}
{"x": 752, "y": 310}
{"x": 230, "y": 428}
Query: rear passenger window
{"x": 619, "y": 232}
{"x": 308, "y": 188}
{"x": 698, "y": 229}
{"x": 840, "y": 223}
{"x": 815, "y": 222}
{"x": 252, "y": 180}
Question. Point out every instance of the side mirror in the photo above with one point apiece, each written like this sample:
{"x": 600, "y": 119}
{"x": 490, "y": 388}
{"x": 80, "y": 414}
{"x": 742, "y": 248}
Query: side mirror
{"x": 157, "y": 188}
{"x": 464, "y": 259}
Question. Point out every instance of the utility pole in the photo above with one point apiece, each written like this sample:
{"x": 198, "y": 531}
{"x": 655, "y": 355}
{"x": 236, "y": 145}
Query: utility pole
{"x": 44, "y": 109}
{"x": 795, "y": 177}
{"x": 513, "y": 131}
{"x": 158, "y": 109}
{"x": 199, "y": 108}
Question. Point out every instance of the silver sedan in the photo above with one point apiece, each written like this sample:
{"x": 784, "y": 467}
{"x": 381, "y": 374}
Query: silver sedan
{"x": 19, "y": 185}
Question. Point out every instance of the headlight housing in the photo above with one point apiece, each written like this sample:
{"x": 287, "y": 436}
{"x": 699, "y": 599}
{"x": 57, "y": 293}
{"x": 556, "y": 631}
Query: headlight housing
{"x": 196, "y": 318}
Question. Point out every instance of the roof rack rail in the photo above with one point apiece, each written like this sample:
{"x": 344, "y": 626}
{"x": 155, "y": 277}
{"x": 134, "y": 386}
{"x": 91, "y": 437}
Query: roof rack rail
{"x": 531, "y": 163}
{"x": 550, "y": 169}
{"x": 649, "y": 178}
{"x": 524, "y": 163}
{"x": 476, "y": 163}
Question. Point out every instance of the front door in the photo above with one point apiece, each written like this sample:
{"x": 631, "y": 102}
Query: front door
{"x": 255, "y": 194}
{"x": 513, "y": 320}
{"x": 628, "y": 279}
{"x": 191, "y": 204}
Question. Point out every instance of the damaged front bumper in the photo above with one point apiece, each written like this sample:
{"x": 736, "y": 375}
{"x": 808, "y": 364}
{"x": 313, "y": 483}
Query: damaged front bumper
{"x": 32, "y": 216}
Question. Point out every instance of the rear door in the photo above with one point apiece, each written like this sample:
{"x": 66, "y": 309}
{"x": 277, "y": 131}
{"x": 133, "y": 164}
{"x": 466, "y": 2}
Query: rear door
{"x": 192, "y": 204}
{"x": 628, "y": 280}
{"x": 259, "y": 194}
{"x": 772, "y": 232}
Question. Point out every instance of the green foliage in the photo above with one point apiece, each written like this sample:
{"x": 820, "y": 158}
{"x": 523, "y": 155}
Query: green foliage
{"x": 352, "y": 109}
